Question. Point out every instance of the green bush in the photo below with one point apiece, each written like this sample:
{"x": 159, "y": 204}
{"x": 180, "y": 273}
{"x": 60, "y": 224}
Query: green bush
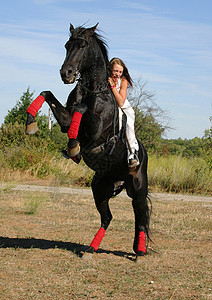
{"x": 40, "y": 156}
{"x": 180, "y": 174}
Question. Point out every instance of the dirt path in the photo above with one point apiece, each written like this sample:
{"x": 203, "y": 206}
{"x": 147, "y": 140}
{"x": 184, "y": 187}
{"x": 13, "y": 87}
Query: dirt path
{"x": 45, "y": 230}
{"x": 88, "y": 192}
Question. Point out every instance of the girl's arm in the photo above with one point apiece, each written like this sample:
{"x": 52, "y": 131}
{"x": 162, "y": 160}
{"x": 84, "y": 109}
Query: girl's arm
{"x": 122, "y": 94}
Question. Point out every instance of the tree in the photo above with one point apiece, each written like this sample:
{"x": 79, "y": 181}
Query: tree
{"x": 58, "y": 138}
{"x": 207, "y": 140}
{"x": 18, "y": 112}
{"x": 151, "y": 121}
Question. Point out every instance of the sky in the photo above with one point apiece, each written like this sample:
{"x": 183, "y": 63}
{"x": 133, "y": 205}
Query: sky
{"x": 167, "y": 44}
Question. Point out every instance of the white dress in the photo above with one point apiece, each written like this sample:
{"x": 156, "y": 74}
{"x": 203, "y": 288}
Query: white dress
{"x": 128, "y": 110}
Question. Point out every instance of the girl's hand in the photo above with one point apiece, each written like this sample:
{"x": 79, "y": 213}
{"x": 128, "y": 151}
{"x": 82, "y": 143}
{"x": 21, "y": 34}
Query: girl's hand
{"x": 113, "y": 81}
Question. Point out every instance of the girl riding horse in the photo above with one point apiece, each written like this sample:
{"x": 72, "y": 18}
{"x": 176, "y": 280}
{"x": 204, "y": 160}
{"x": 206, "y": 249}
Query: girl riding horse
{"x": 102, "y": 144}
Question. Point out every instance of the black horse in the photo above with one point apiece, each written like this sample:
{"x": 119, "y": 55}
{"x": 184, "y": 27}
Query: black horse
{"x": 103, "y": 146}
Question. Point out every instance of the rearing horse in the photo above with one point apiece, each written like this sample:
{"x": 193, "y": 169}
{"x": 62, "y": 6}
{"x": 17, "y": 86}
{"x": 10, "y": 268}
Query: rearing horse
{"x": 103, "y": 146}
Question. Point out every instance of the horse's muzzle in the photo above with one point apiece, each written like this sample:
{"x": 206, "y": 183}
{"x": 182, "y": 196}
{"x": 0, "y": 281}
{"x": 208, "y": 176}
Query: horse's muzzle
{"x": 67, "y": 76}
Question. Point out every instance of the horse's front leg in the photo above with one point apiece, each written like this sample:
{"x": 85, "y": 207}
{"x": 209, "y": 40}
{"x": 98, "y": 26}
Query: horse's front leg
{"x": 61, "y": 114}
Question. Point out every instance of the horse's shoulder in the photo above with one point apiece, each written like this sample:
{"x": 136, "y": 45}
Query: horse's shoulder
{"x": 75, "y": 96}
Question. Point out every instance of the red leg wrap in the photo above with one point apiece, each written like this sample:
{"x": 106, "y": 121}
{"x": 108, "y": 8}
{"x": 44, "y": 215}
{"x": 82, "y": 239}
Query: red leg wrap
{"x": 35, "y": 105}
{"x": 141, "y": 242}
{"x": 97, "y": 239}
{"x": 75, "y": 124}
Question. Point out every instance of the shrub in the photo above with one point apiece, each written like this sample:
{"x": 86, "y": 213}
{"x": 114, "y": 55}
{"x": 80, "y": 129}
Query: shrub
{"x": 180, "y": 174}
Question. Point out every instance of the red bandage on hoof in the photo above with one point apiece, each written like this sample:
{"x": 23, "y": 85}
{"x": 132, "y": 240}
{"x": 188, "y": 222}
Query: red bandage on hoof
{"x": 35, "y": 105}
{"x": 75, "y": 124}
{"x": 141, "y": 242}
{"x": 97, "y": 239}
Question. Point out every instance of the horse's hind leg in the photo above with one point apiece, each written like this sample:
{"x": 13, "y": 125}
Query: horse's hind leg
{"x": 61, "y": 114}
{"x": 137, "y": 189}
{"x": 102, "y": 190}
{"x": 141, "y": 211}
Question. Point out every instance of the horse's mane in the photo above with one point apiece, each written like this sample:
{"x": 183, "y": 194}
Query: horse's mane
{"x": 100, "y": 41}
{"x": 102, "y": 44}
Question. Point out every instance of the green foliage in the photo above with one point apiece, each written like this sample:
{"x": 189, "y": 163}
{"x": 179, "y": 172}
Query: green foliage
{"x": 25, "y": 152}
{"x": 147, "y": 130}
{"x": 151, "y": 121}
{"x": 14, "y": 136}
{"x": 180, "y": 165}
{"x": 18, "y": 112}
{"x": 192, "y": 147}
{"x": 196, "y": 147}
{"x": 59, "y": 139}
{"x": 32, "y": 204}
{"x": 180, "y": 174}
{"x": 207, "y": 138}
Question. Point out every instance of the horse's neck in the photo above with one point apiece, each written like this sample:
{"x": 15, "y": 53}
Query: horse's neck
{"x": 96, "y": 80}
{"x": 96, "y": 74}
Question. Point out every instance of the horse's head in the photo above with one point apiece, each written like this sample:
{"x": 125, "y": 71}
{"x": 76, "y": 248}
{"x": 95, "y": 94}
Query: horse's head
{"x": 76, "y": 49}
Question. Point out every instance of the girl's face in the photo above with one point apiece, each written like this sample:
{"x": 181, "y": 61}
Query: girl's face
{"x": 117, "y": 71}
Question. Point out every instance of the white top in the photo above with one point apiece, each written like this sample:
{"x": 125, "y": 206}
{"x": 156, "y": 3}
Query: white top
{"x": 126, "y": 103}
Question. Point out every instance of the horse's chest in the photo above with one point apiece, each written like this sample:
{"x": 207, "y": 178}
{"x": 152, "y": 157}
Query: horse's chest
{"x": 95, "y": 106}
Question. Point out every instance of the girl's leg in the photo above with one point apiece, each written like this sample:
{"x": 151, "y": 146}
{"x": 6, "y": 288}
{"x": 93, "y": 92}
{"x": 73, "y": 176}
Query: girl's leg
{"x": 130, "y": 132}
{"x": 132, "y": 142}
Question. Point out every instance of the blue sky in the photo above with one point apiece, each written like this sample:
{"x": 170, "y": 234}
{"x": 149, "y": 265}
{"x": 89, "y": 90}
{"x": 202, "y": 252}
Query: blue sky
{"x": 167, "y": 43}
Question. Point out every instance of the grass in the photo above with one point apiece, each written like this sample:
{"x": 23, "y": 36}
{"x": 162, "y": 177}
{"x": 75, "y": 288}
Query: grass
{"x": 39, "y": 255}
{"x": 180, "y": 174}
{"x": 21, "y": 164}
{"x": 166, "y": 173}
{"x": 32, "y": 204}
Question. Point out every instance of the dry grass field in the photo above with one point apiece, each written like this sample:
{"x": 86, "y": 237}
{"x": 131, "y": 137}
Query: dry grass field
{"x": 43, "y": 236}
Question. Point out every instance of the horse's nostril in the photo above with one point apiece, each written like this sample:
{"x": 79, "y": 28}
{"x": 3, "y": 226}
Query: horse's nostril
{"x": 69, "y": 72}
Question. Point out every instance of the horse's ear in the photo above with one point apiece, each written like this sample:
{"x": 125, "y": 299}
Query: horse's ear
{"x": 92, "y": 29}
{"x": 71, "y": 28}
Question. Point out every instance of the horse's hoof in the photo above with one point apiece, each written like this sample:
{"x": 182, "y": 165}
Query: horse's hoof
{"x": 73, "y": 148}
{"x": 88, "y": 254}
{"x": 76, "y": 158}
{"x": 31, "y": 128}
{"x": 65, "y": 154}
{"x": 139, "y": 257}
{"x": 72, "y": 152}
